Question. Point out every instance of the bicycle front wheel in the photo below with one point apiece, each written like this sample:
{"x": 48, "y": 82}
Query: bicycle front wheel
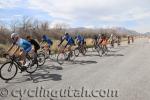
{"x": 8, "y": 71}
{"x": 71, "y": 56}
{"x": 76, "y": 52}
{"x": 32, "y": 67}
{"x": 99, "y": 50}
{"x": 61, "y": 58}
{"x": 41, "y": 58}
{"x": 83, "y": 51}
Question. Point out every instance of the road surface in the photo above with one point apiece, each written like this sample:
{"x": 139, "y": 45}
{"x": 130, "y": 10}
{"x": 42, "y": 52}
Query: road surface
{"x": 124, "y": 74}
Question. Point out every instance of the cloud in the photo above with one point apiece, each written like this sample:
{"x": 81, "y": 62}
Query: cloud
{"x": 100, "y": 10}
{"x": 9, "y": 3}
{"x": 108, "y": 9}
{"x": 90, "y": 12}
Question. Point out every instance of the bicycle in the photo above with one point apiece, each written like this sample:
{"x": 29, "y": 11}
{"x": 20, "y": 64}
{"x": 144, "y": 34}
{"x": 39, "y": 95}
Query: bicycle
{"x": 65, "y": 56}
{"x": 104, "y": 50}
{"x": 96, "y": 47}
{"x": 80, "y": 49}
{"x": 48, "y": 53}
{"x": 12, "y": 65}
{"x": 112, "y": 42}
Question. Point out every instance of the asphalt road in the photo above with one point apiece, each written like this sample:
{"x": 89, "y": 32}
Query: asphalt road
{"x": 124, "y": 74}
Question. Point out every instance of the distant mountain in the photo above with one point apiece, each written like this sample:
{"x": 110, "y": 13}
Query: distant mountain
{"x": 147, "y": 34}
{"x": 126, "y": 31}
{"x": 118, "y": 30}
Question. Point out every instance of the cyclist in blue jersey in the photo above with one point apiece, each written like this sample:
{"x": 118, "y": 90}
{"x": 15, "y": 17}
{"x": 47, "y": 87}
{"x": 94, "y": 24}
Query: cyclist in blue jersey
{"x": 69, "y": 39}
{"x": 80, "y": 39}
{"x": 49, "y": 43}
{"x": 70, "y": 43}
{"x": 46, "y": 39}
{"x": 23, "y": 46}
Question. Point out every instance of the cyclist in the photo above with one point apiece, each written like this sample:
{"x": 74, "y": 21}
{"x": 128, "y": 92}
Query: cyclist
{"x": 95, "y": 39}
{"x": 34, "y": 43}
{"x": 23, "y": 46}
{"x": 132, "y": 39}
{"x": 70, "y": 42}
{"x": 80, "y": 40}
{"x": 128, "y": 39}
{"x": 112, "y": 40}
{"x": 48, "y": 41}
{"x": 118, "y": 40}
{"x": 103, "y": 41}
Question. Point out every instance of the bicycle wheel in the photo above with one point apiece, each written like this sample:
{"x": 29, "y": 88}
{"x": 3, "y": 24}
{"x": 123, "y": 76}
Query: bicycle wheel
{"x": 83, "y": 51}
{"x": 47, "y": 54}
{"x": 41, "y": 59}
{"x": 93, "y": 49}
{"x": 61, "y": 58}
{"x": 33, "y": 65}
{"x": 71, "y": 56}
{"x": 105, "y": 50}
{"x": 99, "y": 50}
{"x": 76, "y": 52}
{"x": 8, "y": 71}
{"x": 53, "y": 56}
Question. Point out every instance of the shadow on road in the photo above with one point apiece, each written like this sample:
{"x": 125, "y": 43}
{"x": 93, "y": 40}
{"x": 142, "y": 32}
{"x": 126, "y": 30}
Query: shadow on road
{"x": 37, "y": 77}
{"x": 40, "y": 77}
{"x": 91, "y": 55}
{"x": 83, "y": 62}
{"x": 45, "y": 74}
{"x": 42, "y": 74}
{"x": 115, "y": 55}
{"x": 47, "y": 68}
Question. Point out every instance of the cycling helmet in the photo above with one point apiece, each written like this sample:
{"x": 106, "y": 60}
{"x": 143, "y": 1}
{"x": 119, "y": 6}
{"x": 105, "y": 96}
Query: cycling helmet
{"x": 13, "y": 35}
{"x": 66, "y": 33}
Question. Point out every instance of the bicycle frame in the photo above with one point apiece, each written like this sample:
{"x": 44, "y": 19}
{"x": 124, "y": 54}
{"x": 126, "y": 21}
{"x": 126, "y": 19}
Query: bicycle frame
{"x": 14, "y": 60}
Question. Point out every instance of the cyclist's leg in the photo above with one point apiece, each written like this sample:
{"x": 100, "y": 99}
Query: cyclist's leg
{"x": 22, "y": 57}
{"x": 69, "y": 48}
{"x": 82, "y": 45}
{"x": 22, "y": 61}
{"x": 49, "y": 48}
{"x": 32, "y": 54}
{"x": 29, "y": 51}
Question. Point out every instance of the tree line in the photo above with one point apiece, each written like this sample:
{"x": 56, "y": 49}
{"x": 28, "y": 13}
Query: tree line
{"x": 36, "y": 28}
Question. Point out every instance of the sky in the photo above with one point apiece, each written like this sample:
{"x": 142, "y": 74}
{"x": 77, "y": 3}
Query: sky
{"x": 131, "y": 14}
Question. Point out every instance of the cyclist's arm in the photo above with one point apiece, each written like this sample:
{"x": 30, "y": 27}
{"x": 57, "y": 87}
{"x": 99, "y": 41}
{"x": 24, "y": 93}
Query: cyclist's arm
{"x": 16, "y": 50}
{"x": 10, "y": 48}
{"x": 61, "y": 42}
{"x": 66, "y": 44}
{"x": 45, "y": 44}
{"x": 100, "y": 41}
{"x": 42, "y": 42}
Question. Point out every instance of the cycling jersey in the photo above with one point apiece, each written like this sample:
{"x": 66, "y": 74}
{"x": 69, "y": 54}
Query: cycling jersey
{"x": 47, "y": 40}
{"x": 24, "y": 44}
{"x": 104, "y": 42}
{"x": 69, "y": 39}
{"x": 95, "y": 37}
{"x": 35, "y": 44}
{"x": 80, "y": 38}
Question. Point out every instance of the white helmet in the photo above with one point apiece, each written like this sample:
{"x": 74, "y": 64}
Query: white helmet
{"x": 14, "y": 35}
